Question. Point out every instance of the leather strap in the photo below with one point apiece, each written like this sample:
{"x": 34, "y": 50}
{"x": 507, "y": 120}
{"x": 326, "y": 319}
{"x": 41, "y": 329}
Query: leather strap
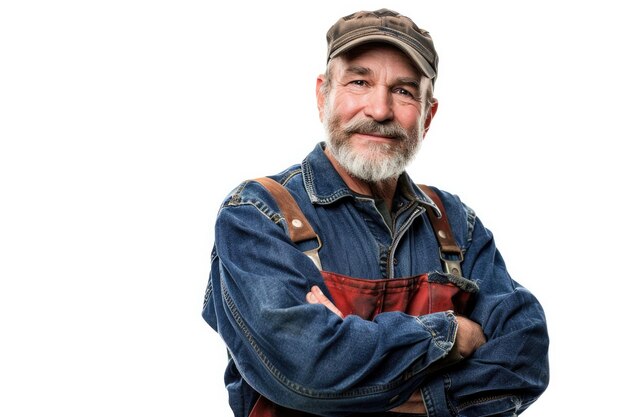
{"x": 300, "y": 229}
{"x": 450, "y": 253}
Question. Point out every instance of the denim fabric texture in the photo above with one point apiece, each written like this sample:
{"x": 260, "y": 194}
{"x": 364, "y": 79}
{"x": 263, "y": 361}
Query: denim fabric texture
{"x": 303, "y": 356}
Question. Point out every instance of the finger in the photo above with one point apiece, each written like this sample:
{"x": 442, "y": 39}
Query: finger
{"x": 311, "y": 299}
{"x": 322, "y": 299}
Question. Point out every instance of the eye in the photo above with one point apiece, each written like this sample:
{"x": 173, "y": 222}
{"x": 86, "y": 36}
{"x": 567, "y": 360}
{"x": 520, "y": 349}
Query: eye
{"x": 360, "y": 83}
{"x": 404, "y": 92}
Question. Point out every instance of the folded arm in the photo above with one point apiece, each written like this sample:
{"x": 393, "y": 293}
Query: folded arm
{"x": 289, "y": 350}
{"x": 510, "y": 371}
{"x": 469, "y": 337}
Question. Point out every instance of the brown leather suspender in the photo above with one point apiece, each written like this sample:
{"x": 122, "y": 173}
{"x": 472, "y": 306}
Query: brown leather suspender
{"x": 449, "y": 252}
{"x": 300, "y": 229}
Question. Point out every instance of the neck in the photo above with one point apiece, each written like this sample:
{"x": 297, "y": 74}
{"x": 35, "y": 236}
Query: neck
{"x": 384, "y": 189}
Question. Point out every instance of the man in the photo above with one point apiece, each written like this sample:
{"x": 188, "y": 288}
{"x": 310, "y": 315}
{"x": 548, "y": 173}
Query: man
{"x": 307, "y": 322}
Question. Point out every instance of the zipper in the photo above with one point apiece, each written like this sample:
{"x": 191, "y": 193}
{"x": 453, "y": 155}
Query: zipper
{"x": 398, "y": 236}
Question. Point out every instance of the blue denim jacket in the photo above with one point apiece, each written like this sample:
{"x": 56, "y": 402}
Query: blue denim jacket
{"x": 303, "y": 356}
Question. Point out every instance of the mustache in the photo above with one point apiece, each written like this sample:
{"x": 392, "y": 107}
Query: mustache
{"x": 369, "y": 126}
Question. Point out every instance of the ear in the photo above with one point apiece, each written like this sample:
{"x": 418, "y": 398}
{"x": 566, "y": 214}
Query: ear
{"x": 321, "y": 98}
{"x": 431, "y": 113}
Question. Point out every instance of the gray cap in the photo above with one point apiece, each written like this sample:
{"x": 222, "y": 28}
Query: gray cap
{"x": 384, "y": 26}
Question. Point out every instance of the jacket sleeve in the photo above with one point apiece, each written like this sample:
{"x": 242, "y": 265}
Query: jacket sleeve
{"x": 509, "y": 372}
{"x": 299, "y": 355}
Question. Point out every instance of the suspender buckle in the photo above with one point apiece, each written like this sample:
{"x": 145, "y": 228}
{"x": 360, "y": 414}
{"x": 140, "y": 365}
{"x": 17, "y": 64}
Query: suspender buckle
{"x": 314, "y": 255}
{"x": 451, "y": 261}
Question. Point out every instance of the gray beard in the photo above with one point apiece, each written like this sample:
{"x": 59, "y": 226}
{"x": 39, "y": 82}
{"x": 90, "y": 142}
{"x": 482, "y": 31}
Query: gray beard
{"x": 381, "y": 161}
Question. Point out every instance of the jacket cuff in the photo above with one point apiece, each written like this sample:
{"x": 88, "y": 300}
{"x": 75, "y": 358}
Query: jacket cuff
{"x": 442, "y": 327}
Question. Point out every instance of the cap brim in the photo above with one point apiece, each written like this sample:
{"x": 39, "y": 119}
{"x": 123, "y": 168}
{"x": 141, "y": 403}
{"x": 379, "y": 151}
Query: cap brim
{"x": 418, "y": 59}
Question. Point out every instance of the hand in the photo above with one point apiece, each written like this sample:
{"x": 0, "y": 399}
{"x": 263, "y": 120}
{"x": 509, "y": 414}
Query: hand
{"x": 414, "y": 404}
{"x": 469, "y": 336}
{"x": 316, "y": 296}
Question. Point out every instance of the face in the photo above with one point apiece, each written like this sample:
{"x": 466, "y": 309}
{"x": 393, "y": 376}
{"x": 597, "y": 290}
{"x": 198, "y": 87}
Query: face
{"x": 373, "y": 112}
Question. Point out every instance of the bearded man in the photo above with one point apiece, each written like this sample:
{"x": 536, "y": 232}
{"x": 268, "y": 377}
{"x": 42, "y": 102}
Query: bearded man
{"x": 342, "y": 288}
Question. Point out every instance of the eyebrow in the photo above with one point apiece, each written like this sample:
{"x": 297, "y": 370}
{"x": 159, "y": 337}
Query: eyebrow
{"x": 359, "y": 70}
{"x": 410, "y": 81}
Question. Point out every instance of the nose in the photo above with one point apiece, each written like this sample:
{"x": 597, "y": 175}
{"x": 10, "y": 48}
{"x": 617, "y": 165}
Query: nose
{"x": 379, "y": 105}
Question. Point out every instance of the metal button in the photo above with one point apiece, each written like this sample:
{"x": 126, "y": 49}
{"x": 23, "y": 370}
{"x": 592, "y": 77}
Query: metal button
{"x": 442, "y": 234}
{"x": 296, "y": 223}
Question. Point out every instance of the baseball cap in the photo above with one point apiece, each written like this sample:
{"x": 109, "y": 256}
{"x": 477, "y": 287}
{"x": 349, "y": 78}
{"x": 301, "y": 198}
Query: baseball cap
{"x": 386, "y": 26}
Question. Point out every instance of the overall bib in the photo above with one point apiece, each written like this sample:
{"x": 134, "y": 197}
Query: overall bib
{"x": 418, "y": 295}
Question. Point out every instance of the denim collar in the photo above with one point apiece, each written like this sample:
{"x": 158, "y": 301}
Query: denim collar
{"x": 324, "y": 185}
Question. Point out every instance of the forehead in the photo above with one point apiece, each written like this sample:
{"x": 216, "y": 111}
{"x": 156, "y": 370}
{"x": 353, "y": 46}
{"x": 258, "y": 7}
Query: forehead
{"x": 376, "y": 56}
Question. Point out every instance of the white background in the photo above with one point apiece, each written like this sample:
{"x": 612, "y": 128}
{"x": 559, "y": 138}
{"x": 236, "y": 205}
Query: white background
{"x": 123, "y": 125}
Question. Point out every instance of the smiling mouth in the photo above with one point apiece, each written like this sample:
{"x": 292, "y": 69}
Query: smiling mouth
{"x": 376, "y": 136}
